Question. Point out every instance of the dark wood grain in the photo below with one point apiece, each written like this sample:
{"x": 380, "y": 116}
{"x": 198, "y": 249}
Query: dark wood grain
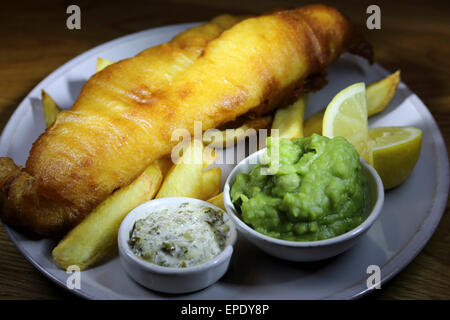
{"x": 415, "y": 37}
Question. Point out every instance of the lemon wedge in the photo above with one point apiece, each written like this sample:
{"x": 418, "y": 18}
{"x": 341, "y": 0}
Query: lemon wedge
{"x": 395, "y": 153}
{"x": 346, "y": 116}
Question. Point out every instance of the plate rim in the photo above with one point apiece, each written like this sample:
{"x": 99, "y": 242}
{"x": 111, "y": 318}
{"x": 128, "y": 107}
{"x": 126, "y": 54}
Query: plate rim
{"x": 415, "y": 245}
{"x": 356, "y": 290}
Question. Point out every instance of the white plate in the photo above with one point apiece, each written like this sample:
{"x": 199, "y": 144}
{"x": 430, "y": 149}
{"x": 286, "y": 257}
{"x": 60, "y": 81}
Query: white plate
{"x": 409, "y": 217}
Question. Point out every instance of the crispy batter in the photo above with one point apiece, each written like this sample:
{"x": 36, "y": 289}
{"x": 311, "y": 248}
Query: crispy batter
{"x": 125, "y": 115}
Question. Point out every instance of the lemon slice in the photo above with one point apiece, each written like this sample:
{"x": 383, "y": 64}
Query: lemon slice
{"x": 395, "y": 152}
{"x": 346, "y": 116}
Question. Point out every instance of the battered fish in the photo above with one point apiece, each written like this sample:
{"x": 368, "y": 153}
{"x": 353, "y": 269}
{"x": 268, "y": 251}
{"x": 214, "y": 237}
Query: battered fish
{"x": 125, "y": 115}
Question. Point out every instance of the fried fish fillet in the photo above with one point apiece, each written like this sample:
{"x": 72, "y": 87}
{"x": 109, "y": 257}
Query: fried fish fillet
{"x": 125, "y": 115}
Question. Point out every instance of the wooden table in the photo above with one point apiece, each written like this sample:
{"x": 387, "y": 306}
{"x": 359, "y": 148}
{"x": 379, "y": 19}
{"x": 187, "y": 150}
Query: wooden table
{"x": 415, "y": 37}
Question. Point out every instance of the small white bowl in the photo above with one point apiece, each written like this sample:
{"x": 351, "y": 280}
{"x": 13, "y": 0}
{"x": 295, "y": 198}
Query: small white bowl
{"x": 172, "y": 280}
{"x": 305, "y": 250}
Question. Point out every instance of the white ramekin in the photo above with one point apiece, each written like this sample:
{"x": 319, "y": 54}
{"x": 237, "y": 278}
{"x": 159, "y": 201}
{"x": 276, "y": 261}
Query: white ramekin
{"x": 165, "y": 279}
{"x": 305, "y": 250}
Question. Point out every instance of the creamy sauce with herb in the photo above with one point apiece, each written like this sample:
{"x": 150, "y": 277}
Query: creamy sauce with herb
{"x": 179, "y": 236}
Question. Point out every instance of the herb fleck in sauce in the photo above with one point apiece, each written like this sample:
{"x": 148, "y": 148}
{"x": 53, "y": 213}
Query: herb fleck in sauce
{"x": 179, "y": 236}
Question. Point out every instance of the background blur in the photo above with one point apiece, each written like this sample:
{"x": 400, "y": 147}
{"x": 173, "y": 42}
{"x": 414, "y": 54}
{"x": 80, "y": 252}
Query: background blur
{"x": 414, "y": 37}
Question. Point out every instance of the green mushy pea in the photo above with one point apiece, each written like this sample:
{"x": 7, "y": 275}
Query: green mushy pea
{"x": 318, "y": 191}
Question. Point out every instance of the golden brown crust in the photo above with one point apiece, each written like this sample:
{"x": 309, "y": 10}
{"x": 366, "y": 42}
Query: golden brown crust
{"x": 60, "y": 183}
{"x": 125, "y": 115}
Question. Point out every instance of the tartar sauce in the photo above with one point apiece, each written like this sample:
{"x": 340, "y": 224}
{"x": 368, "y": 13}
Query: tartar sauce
{"x": 179, "y": 236}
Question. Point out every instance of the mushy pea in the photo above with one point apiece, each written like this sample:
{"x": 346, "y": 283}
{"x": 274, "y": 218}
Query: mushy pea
{"x": 318, "y": 191}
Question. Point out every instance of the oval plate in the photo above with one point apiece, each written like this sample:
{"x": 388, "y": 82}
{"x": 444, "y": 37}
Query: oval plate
{"x": 410, "y": 215}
